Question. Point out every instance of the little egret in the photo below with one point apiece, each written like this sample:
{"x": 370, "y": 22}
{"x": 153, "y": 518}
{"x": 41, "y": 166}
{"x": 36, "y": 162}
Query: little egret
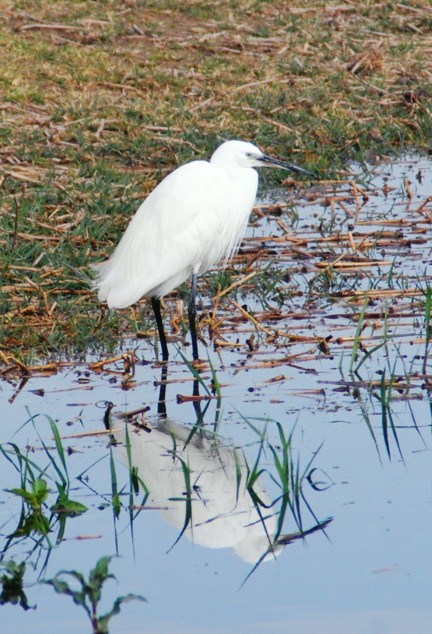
{"x": 193, "y": 219}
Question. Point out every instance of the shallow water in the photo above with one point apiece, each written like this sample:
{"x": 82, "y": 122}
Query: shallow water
{"x": 363, "y": 442}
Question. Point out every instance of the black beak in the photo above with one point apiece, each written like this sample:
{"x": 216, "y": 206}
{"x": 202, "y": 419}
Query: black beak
{"x": 268, "y": 161}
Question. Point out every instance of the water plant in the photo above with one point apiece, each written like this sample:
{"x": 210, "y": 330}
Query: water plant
{"x": 387, "y": 419}
{"x": 428, "y": 327}
{"x": 12, "y": 584}
{"x": 88, "y": 593}
{"x": 41, "y": 514}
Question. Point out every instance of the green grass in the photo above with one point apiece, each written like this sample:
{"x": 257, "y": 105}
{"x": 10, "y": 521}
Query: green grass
{"x": 95, "y": 115}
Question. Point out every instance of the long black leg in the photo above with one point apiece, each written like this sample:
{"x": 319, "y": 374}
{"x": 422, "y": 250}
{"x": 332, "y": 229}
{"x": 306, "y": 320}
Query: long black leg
{"x": 192, "y": 316}
{"x": 197, "y": 403}
{"x": 162, "y": 411}
{"x": 156, "y": 304}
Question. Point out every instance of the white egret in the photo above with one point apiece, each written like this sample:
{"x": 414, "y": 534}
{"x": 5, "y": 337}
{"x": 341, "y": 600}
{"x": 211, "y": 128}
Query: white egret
{"x": 193, "y": 219}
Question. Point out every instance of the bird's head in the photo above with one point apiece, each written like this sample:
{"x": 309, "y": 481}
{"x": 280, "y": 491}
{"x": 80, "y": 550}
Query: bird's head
{"x": 237, "y": 154}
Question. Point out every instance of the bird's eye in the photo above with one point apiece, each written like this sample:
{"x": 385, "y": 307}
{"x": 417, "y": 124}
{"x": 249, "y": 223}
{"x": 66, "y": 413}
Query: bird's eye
{"x": 249, "y": 154}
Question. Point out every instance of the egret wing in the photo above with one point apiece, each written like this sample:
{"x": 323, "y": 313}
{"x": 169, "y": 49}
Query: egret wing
{"x": 182, "y": 227}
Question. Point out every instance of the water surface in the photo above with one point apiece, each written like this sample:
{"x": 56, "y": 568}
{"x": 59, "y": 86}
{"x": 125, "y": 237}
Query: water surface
{"x": 340, "y": 364}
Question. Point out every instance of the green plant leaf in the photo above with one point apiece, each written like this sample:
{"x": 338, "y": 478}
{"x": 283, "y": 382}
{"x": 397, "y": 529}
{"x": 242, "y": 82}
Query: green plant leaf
{"x": 12, "y": 581}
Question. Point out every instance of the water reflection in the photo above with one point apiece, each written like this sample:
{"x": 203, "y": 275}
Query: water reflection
{"x": 205, "y": 487}
{"x": 223, "y": 513}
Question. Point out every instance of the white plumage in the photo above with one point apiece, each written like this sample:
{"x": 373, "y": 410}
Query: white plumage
{"x": 193, "y": 219}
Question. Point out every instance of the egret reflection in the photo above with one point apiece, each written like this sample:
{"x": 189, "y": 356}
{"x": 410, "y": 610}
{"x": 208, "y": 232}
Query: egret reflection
{"x": 204, "y": 486}
{"x": 224, "y": 514}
